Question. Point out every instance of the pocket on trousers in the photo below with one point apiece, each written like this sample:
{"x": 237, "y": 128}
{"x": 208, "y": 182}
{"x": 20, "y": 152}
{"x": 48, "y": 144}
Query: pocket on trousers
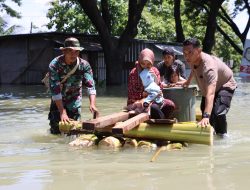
{"x": 224, "y": 105}
{"x": 226, "y": 100}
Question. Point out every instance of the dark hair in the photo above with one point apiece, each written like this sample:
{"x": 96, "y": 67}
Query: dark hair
{"x": 173, "y": 69}
{"x": 192, "y": 41}
{"x": 168, "y": 51}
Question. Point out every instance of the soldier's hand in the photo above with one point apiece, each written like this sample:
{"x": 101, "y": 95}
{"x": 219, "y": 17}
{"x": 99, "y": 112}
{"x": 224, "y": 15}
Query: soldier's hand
{"x": 64, "y": 116}
{"x": 94, "y": 110}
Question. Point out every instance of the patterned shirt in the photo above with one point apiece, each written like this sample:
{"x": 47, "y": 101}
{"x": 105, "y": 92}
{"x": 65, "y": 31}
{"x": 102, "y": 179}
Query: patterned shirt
{"x": 71, "y": 90}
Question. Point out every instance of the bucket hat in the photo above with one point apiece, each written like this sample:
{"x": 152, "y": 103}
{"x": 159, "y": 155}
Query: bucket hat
{"x": 72, "y": 43}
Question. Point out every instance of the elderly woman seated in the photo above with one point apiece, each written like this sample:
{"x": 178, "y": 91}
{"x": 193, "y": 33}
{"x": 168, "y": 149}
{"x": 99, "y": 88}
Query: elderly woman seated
{"x": 144, "y": 93}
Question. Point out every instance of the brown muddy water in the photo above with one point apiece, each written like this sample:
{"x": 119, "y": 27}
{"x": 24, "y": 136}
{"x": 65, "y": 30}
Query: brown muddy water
{"x": 31, "y": 158}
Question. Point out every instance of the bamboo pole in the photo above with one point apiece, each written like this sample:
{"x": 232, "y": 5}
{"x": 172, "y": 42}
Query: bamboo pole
{"x": 66, "y": 127}
{"x": 156, "y": 154}
{"x": 185, "y": 132}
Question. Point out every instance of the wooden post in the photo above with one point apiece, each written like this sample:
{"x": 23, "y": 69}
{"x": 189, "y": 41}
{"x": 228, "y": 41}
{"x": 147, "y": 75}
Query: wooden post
{"x": 129, "y": 124}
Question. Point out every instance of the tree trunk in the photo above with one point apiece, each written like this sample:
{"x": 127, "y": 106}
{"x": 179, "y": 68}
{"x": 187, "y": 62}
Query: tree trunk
{"x": 209, "y": 39}
{"x": 178, "y": 25}
{"x": 114, "y": 49}
{"x": 114, "y": 60}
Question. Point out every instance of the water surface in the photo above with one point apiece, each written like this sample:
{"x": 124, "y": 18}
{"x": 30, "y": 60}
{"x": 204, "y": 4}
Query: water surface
{"x": 31, "y": 158}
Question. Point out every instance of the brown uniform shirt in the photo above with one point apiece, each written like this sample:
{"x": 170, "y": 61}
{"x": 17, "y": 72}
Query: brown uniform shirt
{"x": 213, "y": 70}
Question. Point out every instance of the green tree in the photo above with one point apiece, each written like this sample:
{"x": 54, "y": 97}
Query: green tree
{"x": 68, "y": 16}
{"x": 4, "y": 8}
{"x": 109, "y": 19}
{"x": 212, "y": 9}
{"x": 226, "y": 42}
{"x": 161, "y": 20}
{"x": 114, "y": 49}
{"x": 218, "y": 16}
{"x": 157, "y": 21}
{"x": 227, "y": 17}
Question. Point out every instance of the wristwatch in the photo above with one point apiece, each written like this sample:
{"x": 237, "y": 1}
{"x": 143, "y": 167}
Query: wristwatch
{"x": 206, "y": 115}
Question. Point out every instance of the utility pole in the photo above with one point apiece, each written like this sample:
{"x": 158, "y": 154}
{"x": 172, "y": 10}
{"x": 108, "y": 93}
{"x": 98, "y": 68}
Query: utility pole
{"x": 31, "y": 26}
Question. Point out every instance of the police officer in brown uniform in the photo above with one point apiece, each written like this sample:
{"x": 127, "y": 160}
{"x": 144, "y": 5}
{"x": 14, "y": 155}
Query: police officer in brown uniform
{"x": 216, "y": 82}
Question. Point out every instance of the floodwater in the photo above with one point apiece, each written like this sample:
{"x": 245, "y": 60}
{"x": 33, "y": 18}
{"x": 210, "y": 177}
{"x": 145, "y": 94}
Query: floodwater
{"x": 31, "y": 158}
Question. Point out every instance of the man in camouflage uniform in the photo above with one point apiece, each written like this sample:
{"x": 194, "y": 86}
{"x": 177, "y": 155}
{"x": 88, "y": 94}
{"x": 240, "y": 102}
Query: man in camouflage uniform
{"x": 67, "y": 96}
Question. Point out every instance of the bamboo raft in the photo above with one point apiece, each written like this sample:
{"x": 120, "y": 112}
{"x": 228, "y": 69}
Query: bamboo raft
{"x": 122, "y": 124}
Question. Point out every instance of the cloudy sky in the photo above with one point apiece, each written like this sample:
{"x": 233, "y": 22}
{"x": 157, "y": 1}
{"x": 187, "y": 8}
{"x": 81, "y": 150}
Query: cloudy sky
{"x": 31, "y": 11}
{"x": 35, "y": 11}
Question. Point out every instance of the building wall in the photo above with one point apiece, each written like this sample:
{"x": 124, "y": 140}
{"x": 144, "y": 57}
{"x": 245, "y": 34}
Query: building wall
{"x": 13, "y": 57}
{"x": 24, "y": 59}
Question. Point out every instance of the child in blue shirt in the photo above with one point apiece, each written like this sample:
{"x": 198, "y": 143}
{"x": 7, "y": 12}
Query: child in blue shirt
{"x": 151, "y": 88}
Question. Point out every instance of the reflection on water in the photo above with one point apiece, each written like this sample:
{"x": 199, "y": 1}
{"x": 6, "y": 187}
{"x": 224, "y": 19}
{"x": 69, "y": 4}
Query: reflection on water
{"x": 31, "y": 158}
